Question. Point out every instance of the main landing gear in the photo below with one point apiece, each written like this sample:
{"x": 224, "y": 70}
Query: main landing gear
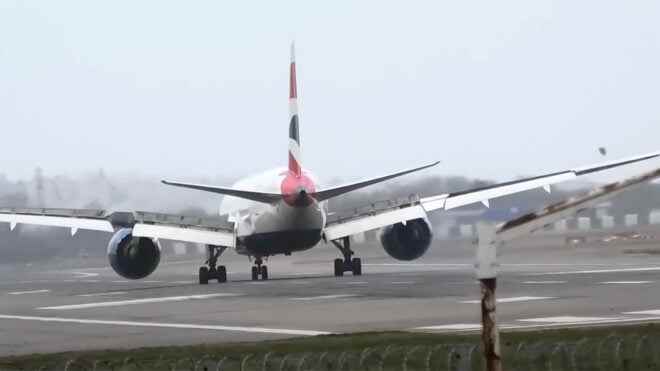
{"x": 347, "y": 264}
{"x": 259, "y": 270}
{"x": 212, "y": 271}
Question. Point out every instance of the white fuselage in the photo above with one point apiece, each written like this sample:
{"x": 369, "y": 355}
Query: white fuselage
{"x": 269, "y": 229}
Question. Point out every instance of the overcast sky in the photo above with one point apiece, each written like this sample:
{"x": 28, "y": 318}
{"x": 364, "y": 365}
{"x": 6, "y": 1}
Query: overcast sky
{"x": 191, "y": 88}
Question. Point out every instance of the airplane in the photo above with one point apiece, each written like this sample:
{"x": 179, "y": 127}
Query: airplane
{"x": 281, "y": 211}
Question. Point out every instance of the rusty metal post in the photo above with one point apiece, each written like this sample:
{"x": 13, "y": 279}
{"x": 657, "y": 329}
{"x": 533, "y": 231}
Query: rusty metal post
{"x": 490, "y": 336}
{"x": 486, "y": 270}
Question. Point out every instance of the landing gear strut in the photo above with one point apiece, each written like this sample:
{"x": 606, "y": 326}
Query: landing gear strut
{"x": 211, "y": 271}
{"x": 347, "y": 264}
{"x": 259, "y": 270}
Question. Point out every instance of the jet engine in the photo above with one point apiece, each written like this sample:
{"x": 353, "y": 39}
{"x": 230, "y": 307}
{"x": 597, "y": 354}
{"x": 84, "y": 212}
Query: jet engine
{"x": 133, "y": 257}
{"x": 407, "y": 241}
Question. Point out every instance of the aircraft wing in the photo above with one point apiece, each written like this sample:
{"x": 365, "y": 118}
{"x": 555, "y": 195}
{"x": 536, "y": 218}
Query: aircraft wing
{"x": 206, "y": 230}
{"x": 401, "y": 211}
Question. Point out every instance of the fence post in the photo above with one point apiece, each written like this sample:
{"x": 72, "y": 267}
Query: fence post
{"x": 486, "y": 270}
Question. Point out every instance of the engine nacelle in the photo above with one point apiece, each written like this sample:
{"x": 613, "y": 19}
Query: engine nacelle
{"x": 409, "y": 241}
{"x": 133, "y": 257}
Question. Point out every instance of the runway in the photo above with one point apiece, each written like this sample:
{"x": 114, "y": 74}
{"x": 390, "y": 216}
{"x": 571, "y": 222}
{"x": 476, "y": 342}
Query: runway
{"x": 543, "y": 283}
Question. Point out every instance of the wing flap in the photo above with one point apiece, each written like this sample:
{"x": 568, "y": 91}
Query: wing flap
{"x": 461, "y": 199}
{"x": 532, "y": 222}
{"x": 177, "y": 233}
{"x": 102, "y": 225}
{"x": 361, "y": 224}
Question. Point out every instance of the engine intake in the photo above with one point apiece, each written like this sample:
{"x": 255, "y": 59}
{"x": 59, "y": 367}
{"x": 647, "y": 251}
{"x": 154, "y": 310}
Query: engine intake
{"x": 133, "y": 257}
{"x": 407, "y": 242}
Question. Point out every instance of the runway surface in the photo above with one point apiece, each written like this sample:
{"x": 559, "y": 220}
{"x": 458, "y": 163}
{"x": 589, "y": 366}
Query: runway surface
{"x": 85, "y": 305}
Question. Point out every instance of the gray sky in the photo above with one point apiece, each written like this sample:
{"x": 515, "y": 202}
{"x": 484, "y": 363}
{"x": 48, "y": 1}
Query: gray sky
{"x": 186, "y": 89}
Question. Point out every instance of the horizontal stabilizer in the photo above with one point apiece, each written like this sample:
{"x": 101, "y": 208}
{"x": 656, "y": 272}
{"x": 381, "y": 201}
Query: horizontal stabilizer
{"x": 264, "y": 197}
{"x": 336, "y": 191}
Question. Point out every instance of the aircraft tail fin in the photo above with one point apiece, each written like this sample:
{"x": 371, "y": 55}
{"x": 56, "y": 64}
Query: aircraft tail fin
{"x": 295, "y": 165}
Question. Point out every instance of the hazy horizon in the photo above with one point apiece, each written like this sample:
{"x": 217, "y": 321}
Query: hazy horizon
{"x": 181, "y": 90}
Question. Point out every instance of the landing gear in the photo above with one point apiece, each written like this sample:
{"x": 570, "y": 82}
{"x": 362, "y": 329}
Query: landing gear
{"x": 347, "y": 264}
{"x": 259, "y": 270}
{"x": 212, "y": 271}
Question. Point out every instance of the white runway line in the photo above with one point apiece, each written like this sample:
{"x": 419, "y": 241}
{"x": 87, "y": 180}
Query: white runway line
{"x": 167, "y": 325}
{"x": 181, "y": 282}
{"x": 653, "y": 312}
{"x": 85, "y": 274}
{"x": 324, "y": 297}
{"x": 28, "y": 292}
{"x": 138, "y": 301}
{"x": 357, "y": 283}
{"x": 103, "y": 294}
{"x": 625, "y": 282}
{"x": 619, "y": 270}
{"x": 420, "y": 264}
{"x": 402, "y": 282}
{"x": 512, "y": 300}
{"x": 543, "y": 282}
{"x": 452, "y": 327}
{"x": 570, "y": 319}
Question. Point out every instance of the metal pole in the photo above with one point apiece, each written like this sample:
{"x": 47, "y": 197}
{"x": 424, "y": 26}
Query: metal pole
{"x": 486, "y": 270}
{"x": 490, "y": 336}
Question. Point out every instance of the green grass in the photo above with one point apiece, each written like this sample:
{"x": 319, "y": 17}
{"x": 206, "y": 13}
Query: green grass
{"x": 356, "y": 343}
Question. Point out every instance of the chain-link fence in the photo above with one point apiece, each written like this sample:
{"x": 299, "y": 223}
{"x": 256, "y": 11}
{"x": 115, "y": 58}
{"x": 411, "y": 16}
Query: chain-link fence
{"x": 609, "y": 353}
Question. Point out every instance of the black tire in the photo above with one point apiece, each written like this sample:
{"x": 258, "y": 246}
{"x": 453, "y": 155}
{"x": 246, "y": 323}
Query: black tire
{"x": 339, "y": 267}
{"x": 222, "y": 274}
{"x": 264, "y": 272}
{"x": 255, "y": 273}
{"x": 203, "y": 276}
{"x": 356, "y": 264}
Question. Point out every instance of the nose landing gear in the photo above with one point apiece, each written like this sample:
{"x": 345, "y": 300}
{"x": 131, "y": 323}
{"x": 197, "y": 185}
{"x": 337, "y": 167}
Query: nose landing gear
{"x": 211, "y": 271}
{"x": 259, "y": 270}
{"x": 347, "y": 264}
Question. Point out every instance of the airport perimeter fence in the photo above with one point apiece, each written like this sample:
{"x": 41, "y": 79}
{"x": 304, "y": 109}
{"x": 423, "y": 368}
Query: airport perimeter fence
{"x": 612, "y": 353}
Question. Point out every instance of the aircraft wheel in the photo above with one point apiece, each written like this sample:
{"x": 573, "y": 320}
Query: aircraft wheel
{"x": 264, "y": 272}
{"x": 203, "y": 275}
{"x": 339, "y": 267}
{"x": 255, "y": 273}
{"x": 356, "y": 264}
{"x": 222, "y": 274}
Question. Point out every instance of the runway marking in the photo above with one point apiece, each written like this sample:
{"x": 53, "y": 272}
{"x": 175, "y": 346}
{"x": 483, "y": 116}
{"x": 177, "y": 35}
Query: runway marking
{"x": 570, "y": 319}
{"x": 620, "y": 270}
{"x": 85, "y": 274}
{"x": 402, "y": 282}
{"x": 357, "y": 283}
{"x": 420, "y": 264}
{"x": 543, "y": 282}
{"x": 181, "y": 282}
{"x": 103, "y": 294}
{"x": 625, "y": 282}
{"x": 152, "y": 281}
{"x": 653, "y": 312}
{"x": 168, "y": 325}
{"x": 512, "y": 300}
{"x": 455, "y": 327}
{"x": 138, "y": 301}
{"x": 323, "y": 297}
{"x": 28, "y": 292}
